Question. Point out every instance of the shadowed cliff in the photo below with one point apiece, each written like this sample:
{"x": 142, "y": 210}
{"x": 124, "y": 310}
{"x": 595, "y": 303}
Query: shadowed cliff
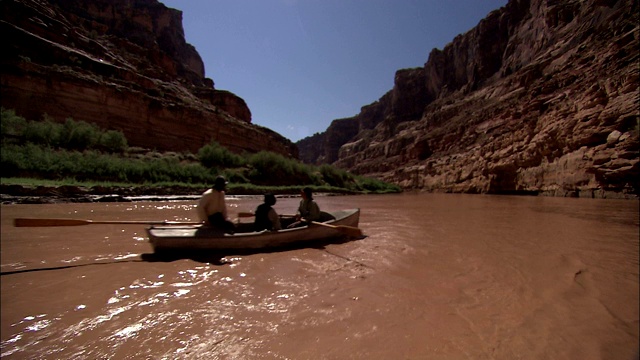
{"x": 123, "y": 65}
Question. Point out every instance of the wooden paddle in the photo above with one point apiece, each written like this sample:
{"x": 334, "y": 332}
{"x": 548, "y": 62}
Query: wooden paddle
{"x": 350, "y": 231}
{"x": 31, "y": 222}
{"x": 250, "y": 214}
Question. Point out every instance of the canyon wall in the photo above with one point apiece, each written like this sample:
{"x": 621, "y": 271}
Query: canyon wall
{"x": 123, "y": 65}
{"x": 541, "y": 97}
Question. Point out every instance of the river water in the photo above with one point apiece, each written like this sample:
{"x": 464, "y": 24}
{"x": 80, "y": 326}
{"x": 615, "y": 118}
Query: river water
{"x": 439, "y": 276}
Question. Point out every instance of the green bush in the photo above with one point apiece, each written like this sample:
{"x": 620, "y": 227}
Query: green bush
{"x": 213, "y": 154}
{"x": 79, "y": 151}
{"x": 334, "y": 176}
{"x": 370, "y": 185}
{"x": 236, "y": 176}
{"x": 72, "y": 135}
{"x": 271, "y": 168}
{"x": 113, "y": 141}
{"x": 11, "y": 125}
{"x": 36, "y": 161}
{"x": 79, "y": 135}
{"x": 42, "y": 133}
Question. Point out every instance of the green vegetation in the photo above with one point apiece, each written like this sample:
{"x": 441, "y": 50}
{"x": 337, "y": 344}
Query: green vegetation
{"x": 78, "y": 153}
{"x": 72, "y": 135}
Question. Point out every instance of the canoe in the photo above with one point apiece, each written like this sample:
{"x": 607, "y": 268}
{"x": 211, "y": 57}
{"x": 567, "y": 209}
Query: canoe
{"x": 198, "y": 237}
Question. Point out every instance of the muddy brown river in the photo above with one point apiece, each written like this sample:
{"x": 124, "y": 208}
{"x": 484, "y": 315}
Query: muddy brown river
{"x": 439, "y": 276}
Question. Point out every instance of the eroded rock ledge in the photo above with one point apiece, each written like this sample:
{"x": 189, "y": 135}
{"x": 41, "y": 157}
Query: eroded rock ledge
{"x": 540, "y": 98}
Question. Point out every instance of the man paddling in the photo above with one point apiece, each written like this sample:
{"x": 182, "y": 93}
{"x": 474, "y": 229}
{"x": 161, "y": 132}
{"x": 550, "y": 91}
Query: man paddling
{"x": 212, "y": 209}
{"x": 308, "y": 209}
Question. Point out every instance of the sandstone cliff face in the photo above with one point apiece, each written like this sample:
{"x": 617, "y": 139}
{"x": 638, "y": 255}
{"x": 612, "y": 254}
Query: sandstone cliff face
{"x": 540, "y": 98}
{"x": 123, "y": 65}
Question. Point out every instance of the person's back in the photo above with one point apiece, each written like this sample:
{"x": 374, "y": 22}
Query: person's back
{"x": 262, "y": 221}
{"x": 211, "y": 202}
{"x": 266, "y": 217}
{"x": 212, "y": 208}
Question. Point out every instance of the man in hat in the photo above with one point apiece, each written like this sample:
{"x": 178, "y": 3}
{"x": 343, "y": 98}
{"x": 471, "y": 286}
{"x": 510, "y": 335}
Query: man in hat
{"x": 308, "y": 209}
{"x": 212, "y": 209}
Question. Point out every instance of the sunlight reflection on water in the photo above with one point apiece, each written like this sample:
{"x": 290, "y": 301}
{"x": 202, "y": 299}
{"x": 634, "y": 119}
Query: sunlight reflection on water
{"x": 129, "y": 331}
{"x": 128, "y": 256}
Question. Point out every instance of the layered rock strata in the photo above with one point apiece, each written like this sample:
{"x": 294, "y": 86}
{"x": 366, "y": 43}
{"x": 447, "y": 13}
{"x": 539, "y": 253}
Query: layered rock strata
{"x": 541, "y": 97}
{"x": 123, "y": 65}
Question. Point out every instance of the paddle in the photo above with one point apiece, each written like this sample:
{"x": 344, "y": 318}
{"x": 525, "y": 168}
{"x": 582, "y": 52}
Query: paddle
{"x": 250, "y": 214}
{"x": 350, "y": 231}
{"x": 25, "y": 222}
{"x": 346, "y": 230}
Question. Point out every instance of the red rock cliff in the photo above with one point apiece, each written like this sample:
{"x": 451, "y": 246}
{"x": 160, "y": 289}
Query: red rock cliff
{"x": 541, "y": 97}
{"x": 123, "y": 65}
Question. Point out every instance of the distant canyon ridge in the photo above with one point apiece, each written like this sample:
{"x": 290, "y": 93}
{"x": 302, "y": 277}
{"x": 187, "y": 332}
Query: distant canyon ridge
{"x": 541, "y": 97}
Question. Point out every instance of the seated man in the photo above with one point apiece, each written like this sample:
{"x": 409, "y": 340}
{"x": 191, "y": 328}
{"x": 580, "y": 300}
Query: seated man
{"x": 308, "y": 209}
{"x": 212, "y": 209}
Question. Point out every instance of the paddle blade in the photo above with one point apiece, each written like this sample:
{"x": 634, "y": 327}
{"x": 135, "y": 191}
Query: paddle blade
{"x": 26, "y": 222}
{"x": 350, "y": 231}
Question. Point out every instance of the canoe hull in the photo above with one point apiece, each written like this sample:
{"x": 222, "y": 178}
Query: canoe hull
{"x": 163, "y": 238}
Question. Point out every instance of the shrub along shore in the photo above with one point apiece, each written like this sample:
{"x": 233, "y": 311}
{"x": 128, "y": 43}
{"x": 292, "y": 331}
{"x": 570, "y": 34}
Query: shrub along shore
{"x": 77, "y": 160}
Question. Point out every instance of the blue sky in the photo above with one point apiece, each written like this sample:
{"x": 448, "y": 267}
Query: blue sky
{"x": 300, "y": 64}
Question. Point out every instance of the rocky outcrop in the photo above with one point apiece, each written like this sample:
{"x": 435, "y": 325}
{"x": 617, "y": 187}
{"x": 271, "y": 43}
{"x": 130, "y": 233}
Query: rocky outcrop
{"x": 540, "y": 98}
{"x": 306, "y": 147}
{"x": 123, "y": 65}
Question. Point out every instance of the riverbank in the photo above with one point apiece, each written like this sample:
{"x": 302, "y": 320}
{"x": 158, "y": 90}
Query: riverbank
{"x": 24, "y": 194}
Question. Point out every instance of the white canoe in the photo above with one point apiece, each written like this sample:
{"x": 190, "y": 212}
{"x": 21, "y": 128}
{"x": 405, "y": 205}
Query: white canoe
{"x": 193, "y": 237}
